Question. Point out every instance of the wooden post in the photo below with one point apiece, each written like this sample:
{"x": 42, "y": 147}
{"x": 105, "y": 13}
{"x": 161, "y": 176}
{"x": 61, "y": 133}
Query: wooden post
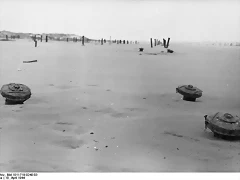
{"x": 35, "y": 40}
{"x": 102, "y": 41}
{"x": 155, "y": 42}
{"x": 67, "y": 39}
{"x": 151, "y": 42}
{"x": 6, "y": 37}
{"x": 127, "y": 42}
{"x": 168, "y": 42}
{"x": 82, "y": 40}
{"x": 164, "y": 43}
{"x": 120, "y": 41}
{"x": 41, "y": 38}
{"x": 46, "y": 38}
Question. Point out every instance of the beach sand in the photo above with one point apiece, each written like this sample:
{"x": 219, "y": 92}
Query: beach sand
{"x": 109, "y": 109}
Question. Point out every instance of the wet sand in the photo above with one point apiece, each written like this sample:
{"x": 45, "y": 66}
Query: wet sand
{"x": 109, "y": 109}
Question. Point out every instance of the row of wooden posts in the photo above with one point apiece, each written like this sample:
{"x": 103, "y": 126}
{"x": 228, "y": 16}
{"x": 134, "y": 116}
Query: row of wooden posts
{"x": 158, "y": 42}
{"x": 41, "y": 39}
{"x": 13, "y": 37}
{"x": 102, "y": 41}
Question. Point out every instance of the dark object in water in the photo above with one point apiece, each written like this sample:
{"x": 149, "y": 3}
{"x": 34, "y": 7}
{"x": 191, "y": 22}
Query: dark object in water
{"x": 189, "y": 92}
{"x": 164, "y": 43}
{"x": 29, "y": 61}
{"x": 223, "y": 125}
{"x": 15, "y": 93}
{"x": 82, "y": 40}
{"x": 167, "y": 45}
{"x": 141, "y": 49}
{"x": 6, "y": 40}
{"x": 170, "y": 51}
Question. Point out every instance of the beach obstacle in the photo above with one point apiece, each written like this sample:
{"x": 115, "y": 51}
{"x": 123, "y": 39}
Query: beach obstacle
{"x": 6, "y": 37}
{"x": 67, "y": 39}
{"x": 120, "y": 41}
{"x": 35, "y": 40}
{"x": 41, "y": 38}
{"x": 155, "y": 42}
{"x": 102, "y": 41}
{"x": 82, "y": 40}
{"x": 46, "y": 38}
{"x": 151, "y": 42}
{"x": 168, "y": 42}
{"x": 127, "y": 42}
{"x": 123, "y": 41}
{"x": 15, "y": 93}
{"x": 189, "y": 92}
{"x": 164, "y": 43}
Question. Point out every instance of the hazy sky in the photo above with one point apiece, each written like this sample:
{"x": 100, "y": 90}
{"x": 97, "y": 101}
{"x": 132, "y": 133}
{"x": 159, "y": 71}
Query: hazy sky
{"x": 187, "y": 20}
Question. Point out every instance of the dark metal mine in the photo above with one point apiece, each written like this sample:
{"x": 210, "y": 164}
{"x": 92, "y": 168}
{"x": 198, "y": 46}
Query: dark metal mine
{"x": 189, "y": 92}
{"x": 15, "y": 93}
{"x": 223, "y": 125}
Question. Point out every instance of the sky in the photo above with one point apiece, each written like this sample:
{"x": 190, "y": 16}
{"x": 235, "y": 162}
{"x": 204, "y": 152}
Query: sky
{"x": 181, "y": 20}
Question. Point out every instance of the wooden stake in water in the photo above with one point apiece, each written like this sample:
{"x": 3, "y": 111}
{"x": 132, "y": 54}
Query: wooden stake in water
{"x": 67, "y": 39}
{"x": 46, "y": 38}
{"x": 41, "y": 38}
{"x": 102, "y": 41}
{"x": 164, "y": 43}
{"x": 168, "y": 42}
{"x": 35, "y": 40}
{"x": 155, "y": 42}
{"x": 151, "y": 42}
{"x": 82, "y": 40}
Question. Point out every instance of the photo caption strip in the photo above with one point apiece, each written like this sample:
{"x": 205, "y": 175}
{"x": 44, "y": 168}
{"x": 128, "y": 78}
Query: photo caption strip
{"x": 5, "y": 176}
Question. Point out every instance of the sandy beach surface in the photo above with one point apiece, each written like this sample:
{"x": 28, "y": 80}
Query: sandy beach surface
{"x": 109, "y": 109}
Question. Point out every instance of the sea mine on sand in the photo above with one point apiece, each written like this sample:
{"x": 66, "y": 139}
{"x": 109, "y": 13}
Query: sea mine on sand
{"x": 15, "y": 93}
{"x": 223, "y": 124}
{"x": 189, "y": 92}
